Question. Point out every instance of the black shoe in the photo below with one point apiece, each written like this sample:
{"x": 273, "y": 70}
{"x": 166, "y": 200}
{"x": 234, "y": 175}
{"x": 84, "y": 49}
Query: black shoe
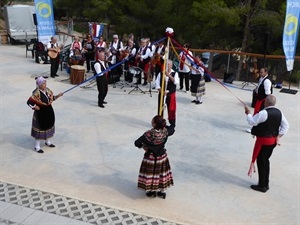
{"x": 258, "y": 188}
{"x": 53, "y": 76}
{"x": 104, "y": 102}
{"x": 145, "y": 83}
{"x": 194, "y": 101}
{"x": 101, "y": 106}
{"x": 39, "y": 151}
{"x": 51, "y": 145}
{"x": 162, "y": 194}
{"x": 198, "y": 102}
{"x": 56, "y": 75}
{"x": 151, "y": 194}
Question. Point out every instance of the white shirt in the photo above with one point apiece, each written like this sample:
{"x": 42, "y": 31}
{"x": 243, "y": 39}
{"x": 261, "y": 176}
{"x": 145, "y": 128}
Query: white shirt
{"x": 147, "y": 54}
{"x": 262, "y": 116}
{"x": 49, "y": 45}
{"x": 101, "y": 44}
{"x": 115, "y": 45}
{"x": 157, "y": 81}
{"x": 98, "y": 68}
{"x": 187, "y": 62}
{"x": 197, "y": 69}
{"x": 267, "y": 85}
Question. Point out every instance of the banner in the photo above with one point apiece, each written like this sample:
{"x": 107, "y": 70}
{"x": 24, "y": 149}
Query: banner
{"x": 290, "y": 32}
{"x": 45, "y": 20}
{"x": 96, "y": 30}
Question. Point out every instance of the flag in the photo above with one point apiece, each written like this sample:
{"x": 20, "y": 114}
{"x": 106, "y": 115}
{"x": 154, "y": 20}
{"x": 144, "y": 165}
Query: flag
{"x": 45, "y": 20}
{"x": 290, "y": 32}
{"x": 97, "y": 30}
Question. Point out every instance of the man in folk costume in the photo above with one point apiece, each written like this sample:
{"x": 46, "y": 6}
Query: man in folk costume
{"x": 131, "y": 53}
{"x": 101, "y": 78}
{"x": 54, "y": 62}
{"x": 184, "y": 67}
{"x": 268, "y": 126}
{"x": 159, "y": 53}
{"x": 116, "y": 46}
{"x": 263, "y": 89}
{"x": 144, "y": 58}
{"x": 171, "y": 80}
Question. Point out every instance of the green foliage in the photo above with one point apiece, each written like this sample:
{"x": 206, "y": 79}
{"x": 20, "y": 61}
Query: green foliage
{"x": 202, "y": 23}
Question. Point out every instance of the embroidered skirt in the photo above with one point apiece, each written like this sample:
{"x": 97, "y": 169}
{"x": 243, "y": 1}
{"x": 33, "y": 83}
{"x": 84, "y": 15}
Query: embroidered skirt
{"x": 200, "y": 88}
{"x": 37, "y": 129}
{"x": 155, "y": 173}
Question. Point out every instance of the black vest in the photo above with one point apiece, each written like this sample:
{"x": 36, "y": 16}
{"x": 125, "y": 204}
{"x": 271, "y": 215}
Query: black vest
{"x": 102, "y": 69}
{"x": 171, "y": 87}
{"x": 270, "y": 127}
{"x": 261, "y": 94}
{"x": 143, "y": 53}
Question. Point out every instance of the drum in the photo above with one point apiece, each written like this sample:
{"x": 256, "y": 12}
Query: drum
{"x": 77, "y": 74}
{"x": 134, "y": 70}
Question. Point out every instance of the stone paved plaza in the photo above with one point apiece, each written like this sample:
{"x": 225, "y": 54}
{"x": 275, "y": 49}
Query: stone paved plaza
{"x": 90, "y": 177}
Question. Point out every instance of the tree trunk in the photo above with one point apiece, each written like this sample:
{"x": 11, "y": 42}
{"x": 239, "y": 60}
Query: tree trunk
{"x": 245, "y": 37}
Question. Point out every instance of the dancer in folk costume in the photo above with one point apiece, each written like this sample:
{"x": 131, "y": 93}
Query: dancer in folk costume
{"x": 184, "y": 67}
{"x": 172, "y": 80}
{"x": 268, "y": 126}
{"x": 43, "y": 117}
{"x": 197, "y": 81}
{"x": 155, "y": 174}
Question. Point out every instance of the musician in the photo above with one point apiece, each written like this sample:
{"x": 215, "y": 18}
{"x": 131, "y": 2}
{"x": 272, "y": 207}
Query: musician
{"x": 131, "y": 38}
{"x": 53, "y": 46}
{"x": 101, "y": 43}
{"x": 184, "y": 68}
{"x": 144, "y": 58}
{"x": 76, "y": 44}
{"x": 101, "y": 78}
{"x": 131, "y": 53}
{"x": 159, "y": 53}
{"x": 88, "y": 51}
{"x": 109, "y": 59}
{"x": 171, "y": 80}
{"x": 150, "y": 46}
{"x": 116, "y": 46}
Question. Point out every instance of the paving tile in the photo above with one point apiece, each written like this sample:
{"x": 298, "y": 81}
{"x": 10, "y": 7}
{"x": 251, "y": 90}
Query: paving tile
{"x": 35, "y": 219}
{"x": 4, "y": 206}
{"x": 29, "y": 206}
{"x": 22, "y": 215}
{"x": 10, "y": 211}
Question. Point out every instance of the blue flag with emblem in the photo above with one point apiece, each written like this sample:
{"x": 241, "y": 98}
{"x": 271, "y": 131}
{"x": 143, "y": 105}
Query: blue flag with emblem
{"x": 45, "y": 20}
{"x": 290, "y": 32}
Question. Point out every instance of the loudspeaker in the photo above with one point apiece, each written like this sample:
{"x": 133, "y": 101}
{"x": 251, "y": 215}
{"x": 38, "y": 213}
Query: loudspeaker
{"x": 34, "y": 18}
{"x": 228, "y": 78}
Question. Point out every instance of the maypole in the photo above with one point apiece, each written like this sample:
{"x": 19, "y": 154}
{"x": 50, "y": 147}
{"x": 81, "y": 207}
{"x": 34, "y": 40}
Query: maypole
{"x": 162, "y": 95}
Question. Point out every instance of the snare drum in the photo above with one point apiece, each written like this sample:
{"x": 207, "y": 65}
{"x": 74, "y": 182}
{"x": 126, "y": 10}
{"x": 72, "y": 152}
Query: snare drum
{"x": 134, "y": 70}
{"x": 77, "y": 74}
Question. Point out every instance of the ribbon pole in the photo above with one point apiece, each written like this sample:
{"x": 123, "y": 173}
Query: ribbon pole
{"x": 163, "y": 81}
